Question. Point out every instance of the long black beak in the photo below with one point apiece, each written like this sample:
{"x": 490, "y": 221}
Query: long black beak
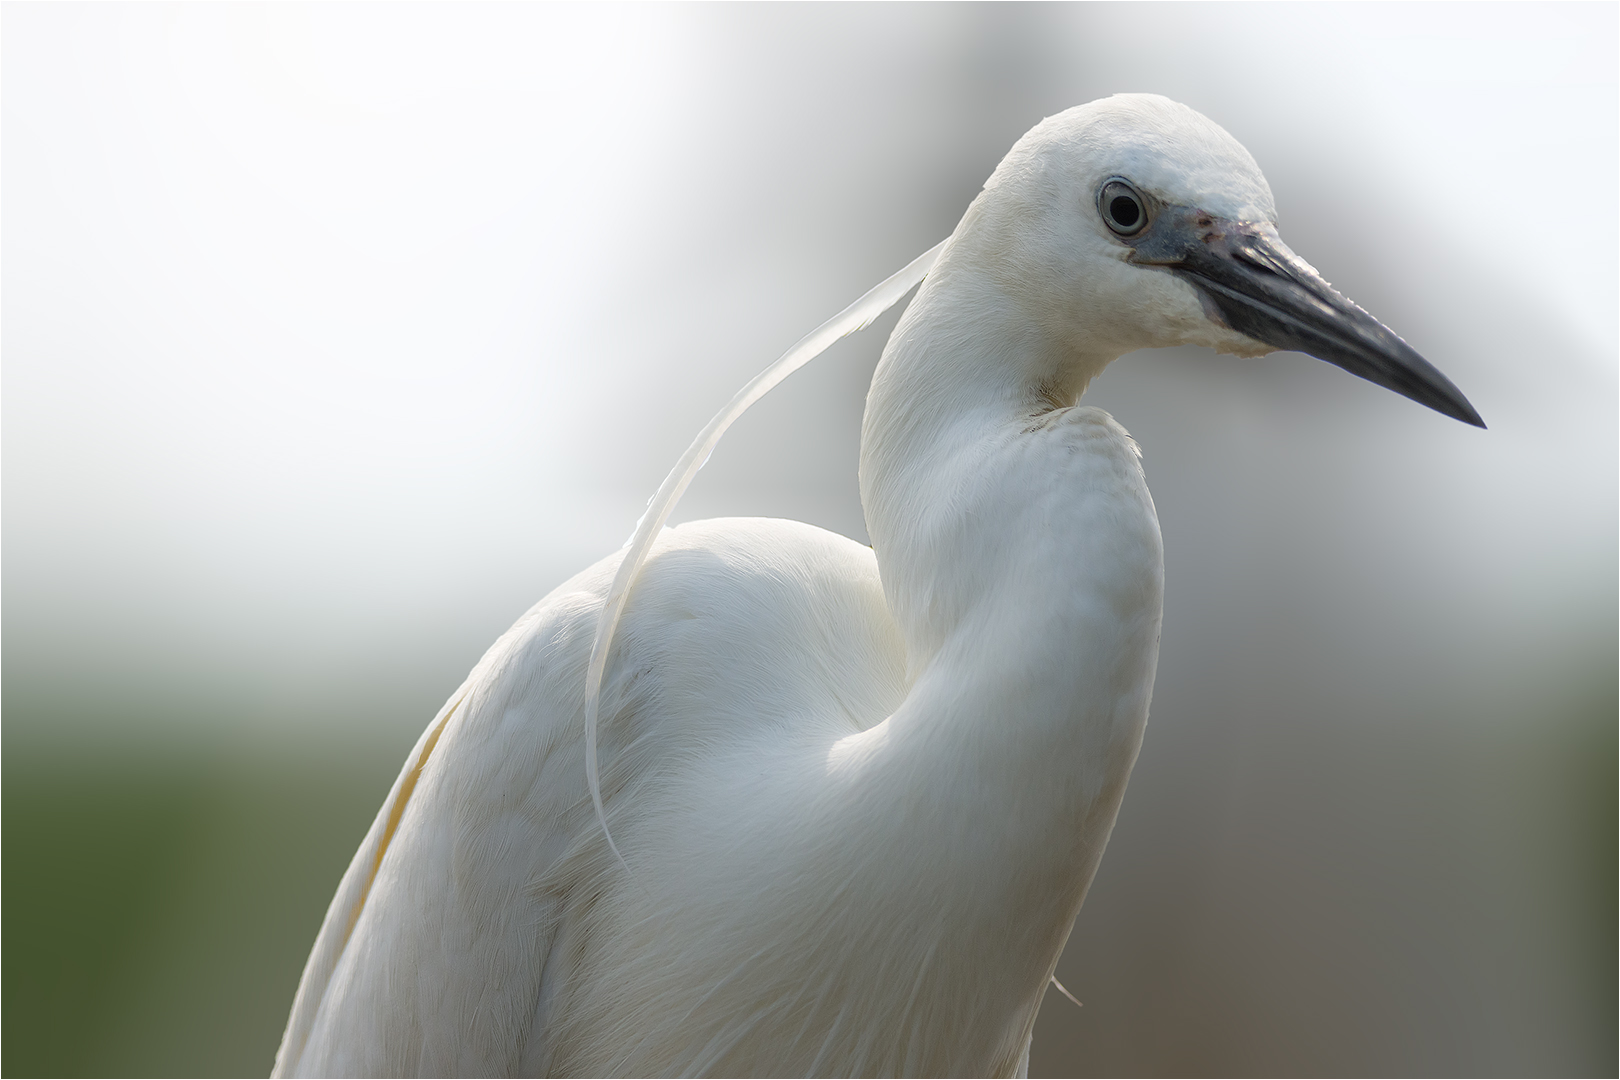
{"x": 1264, "y": 291}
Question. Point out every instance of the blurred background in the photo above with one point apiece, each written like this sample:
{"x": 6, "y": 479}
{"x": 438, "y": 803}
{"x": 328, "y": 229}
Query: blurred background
{"x": 335, "y": 336}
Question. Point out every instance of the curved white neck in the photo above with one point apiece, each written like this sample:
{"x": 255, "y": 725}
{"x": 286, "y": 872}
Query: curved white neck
{"x": 965, "y": 369}
{"x": 1020, "y": 556}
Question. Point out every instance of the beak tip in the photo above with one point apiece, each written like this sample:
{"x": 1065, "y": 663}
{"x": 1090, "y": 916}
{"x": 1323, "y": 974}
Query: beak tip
{"x": 1466, "y": 412}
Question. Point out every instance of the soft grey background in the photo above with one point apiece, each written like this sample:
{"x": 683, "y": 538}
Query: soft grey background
{"x": 336, "y": 336}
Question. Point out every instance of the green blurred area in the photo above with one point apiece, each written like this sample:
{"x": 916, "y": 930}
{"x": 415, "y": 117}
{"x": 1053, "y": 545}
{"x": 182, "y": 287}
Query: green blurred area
{"x": 158, "y": 911}
{"x": 157, "y": 914}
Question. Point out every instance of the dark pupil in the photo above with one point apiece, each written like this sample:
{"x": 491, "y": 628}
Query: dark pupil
{"x": 1124, "y": 210}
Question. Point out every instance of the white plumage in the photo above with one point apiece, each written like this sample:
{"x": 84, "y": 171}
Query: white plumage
{"x": 859, "y": 792}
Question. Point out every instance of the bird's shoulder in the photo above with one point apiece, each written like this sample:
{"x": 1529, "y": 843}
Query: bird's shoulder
{"x": 797, "y": 611}
{"x": 799, "y": 608}
{"x": 786, "y": 597}
{"x": 736, "y": 630}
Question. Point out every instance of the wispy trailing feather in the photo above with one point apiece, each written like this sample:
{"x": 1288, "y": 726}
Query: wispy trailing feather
{"x": 856, "y": 316}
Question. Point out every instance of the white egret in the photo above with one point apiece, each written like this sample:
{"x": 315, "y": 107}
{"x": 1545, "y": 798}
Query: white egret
{"x": 859, "y": 793}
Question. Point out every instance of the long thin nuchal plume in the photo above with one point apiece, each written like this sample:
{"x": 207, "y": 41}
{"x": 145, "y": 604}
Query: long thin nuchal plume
{"x": 879, "y": 299}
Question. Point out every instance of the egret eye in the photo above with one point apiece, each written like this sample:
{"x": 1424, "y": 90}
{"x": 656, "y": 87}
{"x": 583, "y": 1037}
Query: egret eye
{"x": 1122, "y": 208}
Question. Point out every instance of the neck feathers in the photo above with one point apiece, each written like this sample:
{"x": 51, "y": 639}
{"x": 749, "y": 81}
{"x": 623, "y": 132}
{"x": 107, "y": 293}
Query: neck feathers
{"x": 967, "y": 376}
{"x": 1020, "y": 556}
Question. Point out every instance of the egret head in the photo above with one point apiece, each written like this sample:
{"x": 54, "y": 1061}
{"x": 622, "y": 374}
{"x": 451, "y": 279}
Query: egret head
{"x": 1134, "y": 222}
